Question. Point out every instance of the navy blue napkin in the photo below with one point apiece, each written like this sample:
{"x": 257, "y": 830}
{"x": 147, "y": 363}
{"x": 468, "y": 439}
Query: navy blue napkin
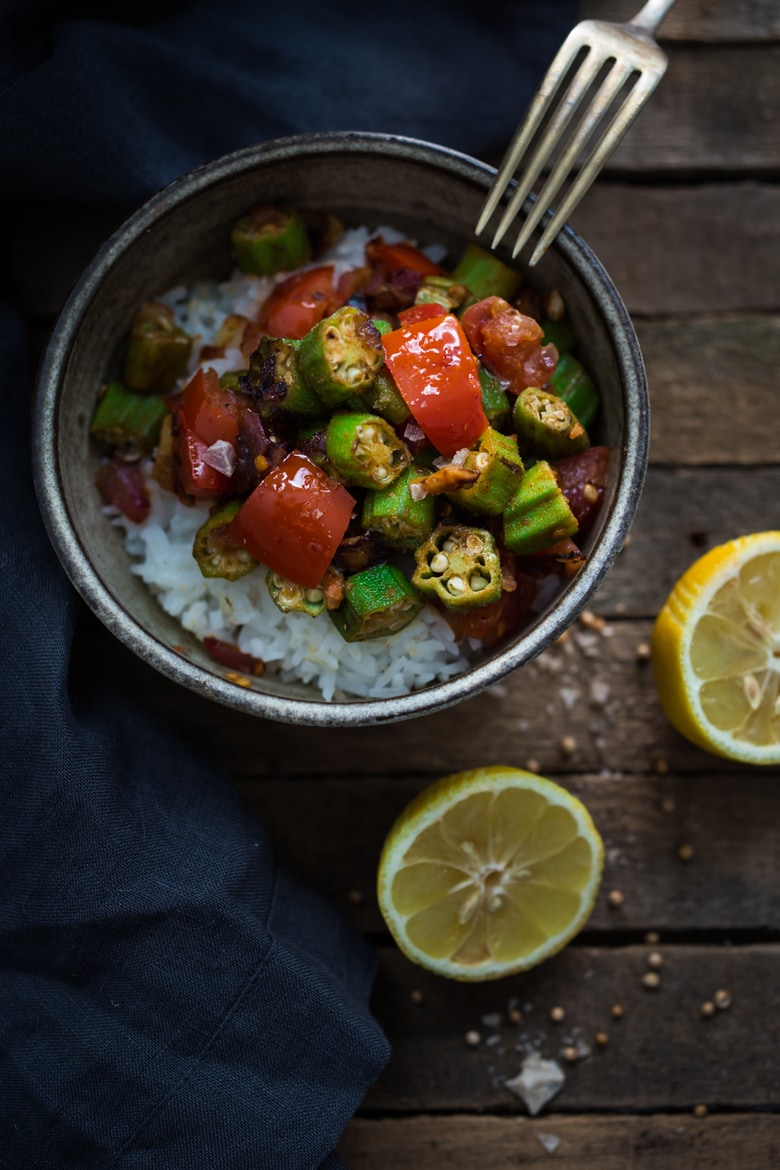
{"x": 170, "y": 997}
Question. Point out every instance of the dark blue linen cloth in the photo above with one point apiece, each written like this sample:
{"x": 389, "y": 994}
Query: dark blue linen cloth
{"x": 170, "y": 997}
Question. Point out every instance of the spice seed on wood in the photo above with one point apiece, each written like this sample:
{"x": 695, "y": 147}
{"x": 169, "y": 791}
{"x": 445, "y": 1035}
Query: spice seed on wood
{"x": 668, "y": 805}
{"x": 557, "y": 1015}
{"x": 655, "y": 960}
{"x": 722, "y": 999}
{"x": 602, "y": 1039}
{"x": 416, "y": 996}
{"x": 570, "y": 1054}
{"x": 642, "y": 652}
{"x": 700, "y": 1111}
{"x": 685, "y": 852}
{"x": 568, "y": 745}
{"x": 616, "y": 898}
{"x": 473, "y": 1039}
{"x": 652, "y": 938}
{"x": 651, "y": 980}
{"x": 707, "y": 1009}
{"x": 617, "y": 1011}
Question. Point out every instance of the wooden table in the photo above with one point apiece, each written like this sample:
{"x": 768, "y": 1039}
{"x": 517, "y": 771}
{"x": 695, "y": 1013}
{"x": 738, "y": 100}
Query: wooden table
{"x": 686, "y": 221}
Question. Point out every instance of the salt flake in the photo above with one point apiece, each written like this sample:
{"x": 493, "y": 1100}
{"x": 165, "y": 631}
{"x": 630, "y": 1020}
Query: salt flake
{"x": 537, "y": 1082}
{"x": 549, "y": 1141}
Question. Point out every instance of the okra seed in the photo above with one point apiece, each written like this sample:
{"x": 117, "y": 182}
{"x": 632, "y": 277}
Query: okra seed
{"x": 474, "y": 544}
{"x": 478, "y": 583}
{"x": 723, "y": 999}
{"x": 482, "y": 460}
{"x": 314, "y": 595}
{"x": 366, "y": 432}
{"x": 449, "y": 545}
{"x": 440, "y": 563}
{"x": 456, "y": 585}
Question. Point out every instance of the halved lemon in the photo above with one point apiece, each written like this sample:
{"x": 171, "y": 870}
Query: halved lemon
{"x": 716, "y": 650}
{"x": 488, "y": 872}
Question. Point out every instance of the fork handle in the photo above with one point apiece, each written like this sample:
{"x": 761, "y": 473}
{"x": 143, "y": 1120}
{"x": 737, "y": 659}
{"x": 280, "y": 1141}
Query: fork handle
{"x": 649, "y": 17}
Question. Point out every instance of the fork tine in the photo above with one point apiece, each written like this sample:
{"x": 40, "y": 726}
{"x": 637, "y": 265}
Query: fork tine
{"x": 641, "y": 92}
{"x": 607, "y": 92}
{"x": 530, "y": 123}
{"x": 585, "y": 75}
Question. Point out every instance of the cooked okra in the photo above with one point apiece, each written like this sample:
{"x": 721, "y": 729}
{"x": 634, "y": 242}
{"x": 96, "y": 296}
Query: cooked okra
{"x": 270, "y": 239}
{"x": 292, "y": 598}
{"x": 441, "y": 290}
{"x": 546, "y": 425}
{"x": 378, "y": 602}
{"x": 401, "y": 520}
{"x": 127, "y": 423}
{"x": 557, "y": 333}
{"x": 364, "y": 450}
{"x": 383, "y": 397}
{"x": 484, "y": 275}
{"x": 217, "y": 554}
{"x": 274, "y": 375}
{"x": 500, "y": 468}
{"x": 460, "y": 566}
{"x": 158, "y": 350}
{"x": 539, "y": 514}
{"x": 339, "y": 357}
{"x": 571, "y": 383}
{"x": 495, "y": 400}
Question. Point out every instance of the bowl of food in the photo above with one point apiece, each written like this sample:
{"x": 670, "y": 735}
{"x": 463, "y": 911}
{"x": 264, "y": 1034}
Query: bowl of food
{"x": 310, "y": 450}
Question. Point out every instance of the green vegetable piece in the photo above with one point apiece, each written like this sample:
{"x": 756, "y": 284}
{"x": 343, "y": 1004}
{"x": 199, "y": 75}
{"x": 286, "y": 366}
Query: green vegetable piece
{"x": 441, "y": 290}
{"x": 378, "y": 602}
{"x": 546, "y": 425}
{"x": 402, "y": 521}
{"x": 382, "y": 325}
{"x": 383, "y": 397}
{"x": 459, "y": 566}
{"x": 292, "y": 598}
{"x": 340, "y": 356}
{"x": 158, "y": 350}
{"x": 495, "y": 400}
{"x": 275, "y": 377}
{"x": 365, "y": 450}
{"x": 217, "y": 554}
{"x": 500, "y": 469}
{"x": 573, "y": 384}
{"x": 233, "y": 380}
{"x": 484, "y": 275}
{"x": 127, "y": 423}
{"x": 539, "y": 514}
{"x": 310, "y": 441}
{"x": 270, "y": 239}
{"x": 559, "y": 334}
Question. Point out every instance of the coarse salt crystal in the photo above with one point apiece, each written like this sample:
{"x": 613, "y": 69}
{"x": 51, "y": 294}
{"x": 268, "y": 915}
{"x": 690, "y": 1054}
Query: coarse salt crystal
{"x": 537, "y": 1082}
{"x": 548, "y": 1141}
{"x": 221, "y": 456}
{"x": 417, "y": 491}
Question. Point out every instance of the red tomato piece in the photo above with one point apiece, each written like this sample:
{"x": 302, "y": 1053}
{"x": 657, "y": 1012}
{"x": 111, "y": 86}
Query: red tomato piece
{"x": 492, "y": 623}
{"x": 211, "y": 411}
{"x": 228, "y": 654}
{"x": 421, "y": 313}
{"x": 509, "y": 343}
{"x": 123, "y": 485}
{"x": 393, "y": 256}
{"x": 583, "y": 479}
{"x": 298, "y": 303}
{"x": 436, "y": 373}
{"x": 294, "y": 520}
{"x": 191, "y": 473}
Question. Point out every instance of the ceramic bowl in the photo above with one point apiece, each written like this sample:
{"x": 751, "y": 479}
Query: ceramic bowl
{"x": 432, "y": 193}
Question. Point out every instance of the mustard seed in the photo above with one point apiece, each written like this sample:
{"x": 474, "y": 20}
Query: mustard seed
{"x": 651, "y": 980}
{"x": 707, "y": 1009}
{"x": 615, "y": 899}
{"x": 700, "y": 1111}
{"x": 602, "y": 1039}
{"x": 617, "y": 1011}
{"x": 722, "y": 999}
{"x": 557, "y": 1015}
{"x": 570, "y": 1054}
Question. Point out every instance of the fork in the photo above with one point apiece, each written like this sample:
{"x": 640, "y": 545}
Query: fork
{"x": 623, "y": 53}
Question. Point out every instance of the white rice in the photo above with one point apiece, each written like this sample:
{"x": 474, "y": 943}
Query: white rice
{"x": 295, "y": 647}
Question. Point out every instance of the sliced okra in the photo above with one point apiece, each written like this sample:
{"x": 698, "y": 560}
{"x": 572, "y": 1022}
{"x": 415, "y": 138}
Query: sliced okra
{"x": 495, "y": 400}
{"x": 441, "y": 290}
{"x": 274, "y": 377}
{"x": 292, "y": 598}
{"x": 339, "y": 357}
{"x": 500, "y": 468}
{"x": 557, "y": 333}
{"x": 571, "y": 382}
{"x": 460, "y": 566}
{"x": 270, "y": 239}
{"x": 546, "y": 425}
{"x": 126, "y": 423}
{"x": 402, "y": 521}
{"x": 365, "y": 450}
{"x": 485, "y": 275}
{"x": 378, "y": 602}
{"x": 217, "y": 554}
{"x": 158, "y": 350}
{"x": 539, "y": 514}
{"x": 383, "y": 397}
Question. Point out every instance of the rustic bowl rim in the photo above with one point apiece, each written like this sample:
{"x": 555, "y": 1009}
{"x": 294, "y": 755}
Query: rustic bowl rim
{"x": 319, "y": 712}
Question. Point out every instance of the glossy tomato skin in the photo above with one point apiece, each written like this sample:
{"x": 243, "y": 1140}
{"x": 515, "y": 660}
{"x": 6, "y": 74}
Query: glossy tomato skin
{"x": 436, "y": 373}
{"x": 294, "y": 520}
{"x": 192, "y": 475}
{"x": 210, "y": 410}
{"x": 578, "y": 476}
{"x": 394, "y": 256}
{"x": 509, "y": 344}
{"x": 421, "y": 313}
{"x": 298, "y": 303}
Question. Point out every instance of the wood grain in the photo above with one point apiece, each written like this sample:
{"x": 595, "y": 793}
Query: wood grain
{"x": 700, "y": 20}
{"x": 663, "y": 1054}
{"x": 658, "y": 1142}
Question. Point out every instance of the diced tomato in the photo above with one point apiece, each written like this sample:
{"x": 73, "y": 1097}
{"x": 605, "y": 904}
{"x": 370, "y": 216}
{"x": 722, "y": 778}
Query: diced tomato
{"x": 294, "y": 520}
{"x": 509, "y": 343}
{"x": 250, "y": 340}
{"x": 192, "y": 474}
{"x": 582, "y": 479}
{"x": 298, "y": 303}
{"x": 123, "y": 485}
{"x": 393, "y": 256}
{"x": 436, "y": 373}
{"x": 491, "y": 623}
{"x": 211, "y": 411}
{"x": 348, "y": 285}
{"x": 421, "y": 313}
{"x": 227, "y": 654}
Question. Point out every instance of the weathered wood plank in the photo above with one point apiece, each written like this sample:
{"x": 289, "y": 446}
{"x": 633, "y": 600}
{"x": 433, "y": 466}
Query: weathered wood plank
{"x": 658, "y": 1142}
{"x": 332, "y": 832}
{"x": 687, "y": 250}
{"x": 713, "y": 389}
{"x": 700, "y": 20}
{"x": 663, "y": 1054}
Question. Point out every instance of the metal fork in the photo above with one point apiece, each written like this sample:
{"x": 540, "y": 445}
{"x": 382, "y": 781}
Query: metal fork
{"x": 624, "y": 52}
